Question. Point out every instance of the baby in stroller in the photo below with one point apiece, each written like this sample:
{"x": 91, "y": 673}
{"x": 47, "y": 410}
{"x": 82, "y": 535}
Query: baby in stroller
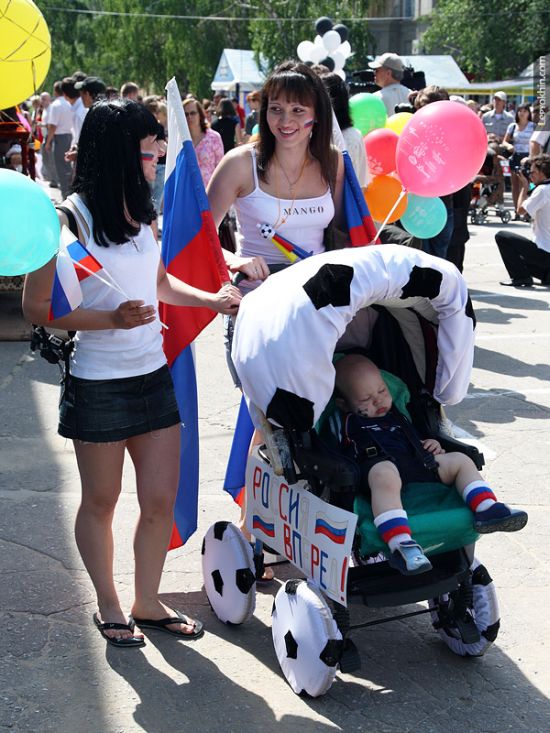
{"x": 391, "y": 453}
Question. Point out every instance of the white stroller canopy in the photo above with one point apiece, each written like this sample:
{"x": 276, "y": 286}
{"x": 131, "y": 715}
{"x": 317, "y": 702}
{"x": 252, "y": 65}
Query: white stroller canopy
{"x": 287, "y": 330}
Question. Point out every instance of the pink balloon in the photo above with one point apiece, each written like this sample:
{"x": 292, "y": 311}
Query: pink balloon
{"x": 441, "y": 149}
{"x": 380, "y": 146}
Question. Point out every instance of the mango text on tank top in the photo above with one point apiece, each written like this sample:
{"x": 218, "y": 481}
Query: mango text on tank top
{"x": 302, "y": 210}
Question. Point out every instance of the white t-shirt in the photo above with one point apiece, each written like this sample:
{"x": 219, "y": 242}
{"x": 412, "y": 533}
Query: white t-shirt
{"x": 119, "y": 353}
{"x": 393, "y": 94}
{"x": 538, "y": 208}
{"x": 79, "y": 113}
{"x": 356, "y": 149}
{"x": 61, "y": 115}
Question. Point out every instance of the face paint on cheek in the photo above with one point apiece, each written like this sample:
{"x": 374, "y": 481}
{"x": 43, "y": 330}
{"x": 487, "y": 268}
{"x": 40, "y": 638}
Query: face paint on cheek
{"x": 308, "y": 123}
{"x": 147, "y": 156}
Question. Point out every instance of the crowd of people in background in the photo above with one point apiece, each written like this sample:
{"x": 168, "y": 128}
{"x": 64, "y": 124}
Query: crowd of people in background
{"x": 220, "y": 124}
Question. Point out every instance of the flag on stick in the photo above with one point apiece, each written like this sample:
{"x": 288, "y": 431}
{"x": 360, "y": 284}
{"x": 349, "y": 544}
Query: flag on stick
{"x": 191, "y": 252}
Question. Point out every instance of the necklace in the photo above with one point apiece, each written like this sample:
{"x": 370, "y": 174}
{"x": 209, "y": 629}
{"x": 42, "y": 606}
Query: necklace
{"x": 292, "y": 186}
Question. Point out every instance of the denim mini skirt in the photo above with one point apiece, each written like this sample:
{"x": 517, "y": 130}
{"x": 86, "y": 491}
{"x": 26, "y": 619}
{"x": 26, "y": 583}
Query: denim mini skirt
{"x": 107, "y": 410}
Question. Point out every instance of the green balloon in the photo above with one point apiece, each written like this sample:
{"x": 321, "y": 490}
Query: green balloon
{"x": 367, "y": 112}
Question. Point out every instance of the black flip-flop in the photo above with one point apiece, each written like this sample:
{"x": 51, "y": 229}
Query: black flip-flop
{"x": 163, "y": 623}
{"x": 132, "y": 641}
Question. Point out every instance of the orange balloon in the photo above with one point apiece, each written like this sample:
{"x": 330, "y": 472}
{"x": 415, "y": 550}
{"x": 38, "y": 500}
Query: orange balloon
{"x": 381, "y": 195}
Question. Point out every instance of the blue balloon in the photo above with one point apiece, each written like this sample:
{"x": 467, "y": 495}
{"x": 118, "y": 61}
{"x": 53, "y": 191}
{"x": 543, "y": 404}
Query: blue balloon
{"x": 256, "y": 129}
{"x": 424, "y": 217}
{"x": 29, "y": 227}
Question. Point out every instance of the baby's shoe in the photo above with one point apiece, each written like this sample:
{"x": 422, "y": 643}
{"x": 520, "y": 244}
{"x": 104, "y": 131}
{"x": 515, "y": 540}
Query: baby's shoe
{"x": 499, "y": 518}
{"x": 409, "y": 559}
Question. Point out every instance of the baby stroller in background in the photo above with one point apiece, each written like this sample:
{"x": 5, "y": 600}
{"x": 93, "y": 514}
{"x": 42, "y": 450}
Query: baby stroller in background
{"x": 411, "y": 314}
{"x": 484, "y": 196}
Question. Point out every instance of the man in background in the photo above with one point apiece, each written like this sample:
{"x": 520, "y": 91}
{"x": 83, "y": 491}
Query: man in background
{"x": 388, "y": 72}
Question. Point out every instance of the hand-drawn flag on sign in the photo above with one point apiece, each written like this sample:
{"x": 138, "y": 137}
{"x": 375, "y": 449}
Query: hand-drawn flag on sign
{"x": 335, "y": 531}
{"x": 191, "y": 252}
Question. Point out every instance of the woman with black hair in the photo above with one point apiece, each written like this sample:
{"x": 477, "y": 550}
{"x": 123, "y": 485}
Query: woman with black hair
{"x": 228, "y": 125}
{"x": 355, "y": 145}
{"x": 118, "y": 394}
{"x": 516, "y": 141}
{"x": 291, "y": 178}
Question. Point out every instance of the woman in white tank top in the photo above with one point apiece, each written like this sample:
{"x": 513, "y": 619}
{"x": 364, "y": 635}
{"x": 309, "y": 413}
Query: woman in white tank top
{"x": 119, "y": 394}
{"x": 291, "y": 179}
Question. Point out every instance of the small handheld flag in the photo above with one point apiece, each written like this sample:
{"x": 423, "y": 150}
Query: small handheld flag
{"x": 290, "y": 250}
{"x": 66, "y": 291}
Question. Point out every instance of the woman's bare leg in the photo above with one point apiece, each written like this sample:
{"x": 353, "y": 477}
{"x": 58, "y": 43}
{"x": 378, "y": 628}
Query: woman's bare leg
{"x": 100, "y": 467}
{"x": 156, "y": 459}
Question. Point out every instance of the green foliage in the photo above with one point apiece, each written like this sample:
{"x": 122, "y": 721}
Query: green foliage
{"x": 150, "y": 50}
{"x": 493, "y": 39}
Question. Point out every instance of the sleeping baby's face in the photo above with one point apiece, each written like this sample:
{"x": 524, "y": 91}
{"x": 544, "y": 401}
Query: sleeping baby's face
{"x": 364, "y": 391}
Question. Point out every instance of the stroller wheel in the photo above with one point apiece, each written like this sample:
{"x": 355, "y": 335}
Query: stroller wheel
{"x": 306, "y": 638}
{"x": 468, "y": 629}
{"x": 505, "y": 216}
{"x": 229, "y": 574}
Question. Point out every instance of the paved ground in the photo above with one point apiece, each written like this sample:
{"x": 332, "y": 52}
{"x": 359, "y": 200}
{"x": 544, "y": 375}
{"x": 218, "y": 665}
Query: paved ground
{"x": 56, "y": 675}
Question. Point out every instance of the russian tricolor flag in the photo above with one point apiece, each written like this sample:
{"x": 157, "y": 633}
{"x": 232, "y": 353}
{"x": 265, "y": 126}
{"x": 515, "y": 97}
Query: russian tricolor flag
{"x": 66, "y": 290}
{"x": 191, "y": 252}
{"x": 358, "y": 219}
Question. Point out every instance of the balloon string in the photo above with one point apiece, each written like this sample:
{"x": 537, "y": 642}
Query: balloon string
{"x": 388, "y": 217}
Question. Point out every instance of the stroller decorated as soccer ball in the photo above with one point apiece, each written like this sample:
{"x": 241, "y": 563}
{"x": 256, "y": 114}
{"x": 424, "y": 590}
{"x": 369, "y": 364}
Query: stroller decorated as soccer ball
{"x": 411, "y": 314}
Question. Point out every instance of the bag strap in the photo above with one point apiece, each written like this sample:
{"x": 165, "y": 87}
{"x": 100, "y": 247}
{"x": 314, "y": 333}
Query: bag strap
{"x": 73, "y": 226}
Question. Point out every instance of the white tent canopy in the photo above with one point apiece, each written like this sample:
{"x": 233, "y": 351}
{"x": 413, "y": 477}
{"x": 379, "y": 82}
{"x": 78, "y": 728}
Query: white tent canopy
{"x": 237, "y": 71}
{"x": 440, "y": 70}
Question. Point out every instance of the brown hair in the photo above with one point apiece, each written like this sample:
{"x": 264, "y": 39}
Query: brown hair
{"x": 253, "y": 97}
{"x": 430, "y": 94}
{"x": 296, "y": 81}
{"x": 542, "y": 162}
{"x": 200, "y": 109}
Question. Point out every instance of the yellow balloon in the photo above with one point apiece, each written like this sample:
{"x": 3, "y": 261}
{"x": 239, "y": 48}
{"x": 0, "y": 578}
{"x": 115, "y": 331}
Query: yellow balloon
{"x": 25, "y": 51}
{"x": 398, "y": 121}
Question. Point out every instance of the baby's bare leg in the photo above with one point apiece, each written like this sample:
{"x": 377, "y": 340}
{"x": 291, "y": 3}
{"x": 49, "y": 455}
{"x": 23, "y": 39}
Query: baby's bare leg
{"x": 385, "y": 487}
{"x": 457, "y": 469}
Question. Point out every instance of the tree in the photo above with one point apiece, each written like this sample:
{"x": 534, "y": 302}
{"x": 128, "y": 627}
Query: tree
{"x": 493, "y": 39}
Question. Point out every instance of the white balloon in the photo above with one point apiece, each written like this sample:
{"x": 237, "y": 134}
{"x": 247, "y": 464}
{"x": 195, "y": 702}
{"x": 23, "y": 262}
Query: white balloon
{"x": 304, "y": 50}
{"x": 345, "y": 49}
{"x": 318, "y": 53}
{"x": 318, "y": 41}
{"x": 341, "y": 73}
{"x": 331, "y": 40}
{"x": 339, "y": 60}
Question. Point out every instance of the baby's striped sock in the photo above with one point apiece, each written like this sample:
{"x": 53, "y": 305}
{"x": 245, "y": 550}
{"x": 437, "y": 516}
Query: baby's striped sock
{"x": 393, "y": 527}
{"x": 478, "y": 496}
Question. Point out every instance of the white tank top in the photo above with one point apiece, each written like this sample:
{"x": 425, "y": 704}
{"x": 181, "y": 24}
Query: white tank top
{"x": 118, "y": 353}
{"x": 306, "y": 221}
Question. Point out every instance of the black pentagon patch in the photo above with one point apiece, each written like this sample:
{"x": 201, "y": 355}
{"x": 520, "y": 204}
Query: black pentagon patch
{"x": 330, "y": 286}
{"x": 469, "y": 310}
{"x": 219, "y": 529}
{"x": 481, "y": 576}
{"x": 332, "y": 652}
{"x": 291, "y": 646}
{"x": 491, "y": 632}
{"x": 290, "y": 411}
{"x": 245, "y": 579}
{"x": 218, "y": 581}
{"x": 203, "y": 546}
{"x": 424, "y": 282}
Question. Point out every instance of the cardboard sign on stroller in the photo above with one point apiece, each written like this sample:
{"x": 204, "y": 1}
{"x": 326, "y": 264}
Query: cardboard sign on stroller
{"x": 313, "y": 535}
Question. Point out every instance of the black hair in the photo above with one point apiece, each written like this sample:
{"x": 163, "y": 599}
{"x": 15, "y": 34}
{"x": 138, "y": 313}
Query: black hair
{"x": 226, "y": 108}
{"x": 109, "y": 171}
{"x": 339, "y": 96}
{"x": 528, "y": 108}
{"x": 297, "y": 82}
